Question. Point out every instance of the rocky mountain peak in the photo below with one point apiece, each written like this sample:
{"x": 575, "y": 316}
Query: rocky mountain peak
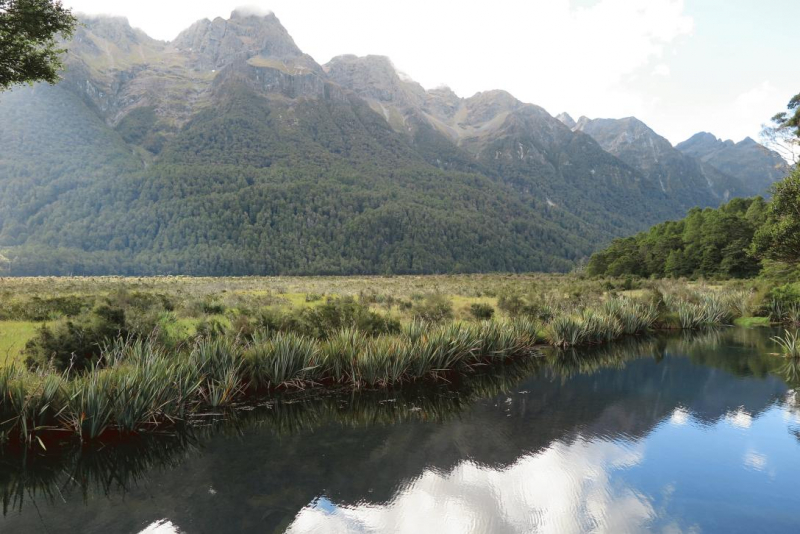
{"x": 618, "y": 135}
{"x": 219, "y": 42}
{"x": 486, "y": 105}
{"x": 95, "y": 31}
{"x": 754, "y": 164}
{"x": 746, "y": 142}
{"x": 443, "y": 102}
{"x": 375, "y": 77}
{"x": 567, "y": 120}
{"x": 700, "y": 143}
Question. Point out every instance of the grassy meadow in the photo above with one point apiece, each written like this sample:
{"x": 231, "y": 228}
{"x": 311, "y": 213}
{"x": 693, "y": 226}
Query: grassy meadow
{"x": 93, "y": 356}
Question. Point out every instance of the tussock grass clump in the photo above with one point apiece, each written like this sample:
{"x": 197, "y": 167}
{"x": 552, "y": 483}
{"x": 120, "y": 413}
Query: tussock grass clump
{"x": 501, "y": 340}
{"x": 614, "y": 318}
{"x": 704, "y": 307}
{"x": 565, "y": 331}
{"x": 339, "y": 355}
{"x": 415, "y": 329}
{"x": 90, "y": 403}
{"x": 690, "y": 315}
{"x": 31, "y": 401}
{"x": 742, "y": 303}
{"x": 527, "y": 331}
{"x": 218, "y": 361}
{"x": 445, "y": 348}
{"x": 600, "y": 327}
{"x": 385, "y": 360}
{"x": 634, "y": 317}
{"x": 789, "y": 343}
{"x": 283, "y": 359}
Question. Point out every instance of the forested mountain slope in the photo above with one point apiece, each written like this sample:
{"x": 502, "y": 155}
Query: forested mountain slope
{"x": 230, "y": 151}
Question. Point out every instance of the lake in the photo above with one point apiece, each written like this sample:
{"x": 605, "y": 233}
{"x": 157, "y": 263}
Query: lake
{"x": 689, "y": 433}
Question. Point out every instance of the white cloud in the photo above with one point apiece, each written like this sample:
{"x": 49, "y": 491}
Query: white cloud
{"x": 253, "y": 10}
{"x": 661, "y": 70}
{"x": 565, "y": 488}
{"x": 756, "y": 96}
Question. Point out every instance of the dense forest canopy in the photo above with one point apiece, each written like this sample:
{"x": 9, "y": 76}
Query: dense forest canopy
{"x": 706, "y": 243}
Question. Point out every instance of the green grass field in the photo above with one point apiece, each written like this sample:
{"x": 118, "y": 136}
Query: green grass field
{"x": 13, "y": 336}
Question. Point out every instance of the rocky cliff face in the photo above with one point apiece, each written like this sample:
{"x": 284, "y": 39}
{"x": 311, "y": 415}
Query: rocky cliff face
{"x": 680, "y": 176}
{"x": 567, "y": 120}
{"x": 118, "y": 69}
{"x": 218, "y": 43}
{"x": 754, "y": 164}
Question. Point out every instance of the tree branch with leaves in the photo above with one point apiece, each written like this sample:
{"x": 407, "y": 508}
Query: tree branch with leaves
{"x": 30, "y": 49}
{"x": 783, "y": 132}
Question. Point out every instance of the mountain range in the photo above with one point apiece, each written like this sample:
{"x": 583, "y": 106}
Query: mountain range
{"x": 230, "y": 151}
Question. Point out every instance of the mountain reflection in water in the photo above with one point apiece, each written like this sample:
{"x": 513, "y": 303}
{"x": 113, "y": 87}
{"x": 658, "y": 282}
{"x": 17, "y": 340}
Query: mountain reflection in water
{"x": 684, "y": 434}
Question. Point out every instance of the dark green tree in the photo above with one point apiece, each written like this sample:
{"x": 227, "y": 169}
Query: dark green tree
{"x": 29, "y": 47}
{"x": 779, "y": 238}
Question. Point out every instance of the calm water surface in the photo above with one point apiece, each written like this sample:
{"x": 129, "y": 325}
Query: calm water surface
{"x": 684, "y": 434}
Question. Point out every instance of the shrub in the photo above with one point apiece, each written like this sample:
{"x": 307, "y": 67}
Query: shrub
{"x": 213, "y": 308}
{"x": 435, "y": 308}
{"x": 341, "y": 313}
{"x": 47, "y": 309}
{"x": 75, "y": 343}
{"x": 138, "y": 300}
{"x": 210, "y": 328}
{"x": 510, "y": 303}
{"x": 481, "y": 311}
{"x": 783, "y": 301}
{"x": 242, "y": 326}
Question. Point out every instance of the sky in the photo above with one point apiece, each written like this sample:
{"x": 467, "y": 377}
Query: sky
{"x": 681, "y": 66}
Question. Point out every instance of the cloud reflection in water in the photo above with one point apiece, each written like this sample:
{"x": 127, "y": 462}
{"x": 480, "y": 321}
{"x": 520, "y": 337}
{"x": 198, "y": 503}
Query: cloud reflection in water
{"x": 563, "y": 489}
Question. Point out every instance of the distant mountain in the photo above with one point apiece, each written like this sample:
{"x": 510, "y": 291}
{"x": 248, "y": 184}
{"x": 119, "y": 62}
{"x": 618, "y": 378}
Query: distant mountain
{"x": 755, "y": 165}
{"x": 230, "y": 151}
{"x": 520, "y": 144}
{"x": 567, "y": 120}
{"x": 685, "y": 179}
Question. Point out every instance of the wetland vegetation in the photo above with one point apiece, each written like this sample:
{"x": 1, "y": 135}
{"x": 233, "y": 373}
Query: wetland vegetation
{"x": 99, "y": 357}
